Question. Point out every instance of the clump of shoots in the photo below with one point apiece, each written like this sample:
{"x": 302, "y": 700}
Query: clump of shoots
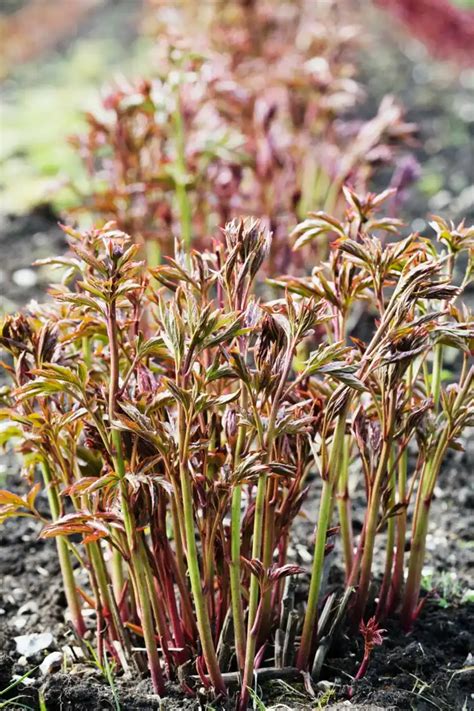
{"x": 176, "y": 417}
{"x": 394, "y": 400}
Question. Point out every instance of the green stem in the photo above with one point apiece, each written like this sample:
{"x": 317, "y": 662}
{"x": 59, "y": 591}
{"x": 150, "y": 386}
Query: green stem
{"x": 87, "y": 351}
{"x": 372, "y": 523}
{"x": 202, "y": 616}
{"x": 100, "y": 570}
{"x": 268, "y": 547}
{"x": 381, "y": 606}
{"x": 344, "y": 507}
{"x": 118, "y": 579}
{"x": 63, "y": 553}
{"x": 235, "y": 543}
{"x": 146, "y": 617}
{"x": 325, "y": 508}
{"x": 153, "y": 253}
{"x": 401, "y": 521}
{"x": 136, "y": 563}
{"x": 257, "y": 542}
{"x": 424, "y": 497}
{"x": 138, "y": 571}
{"x": 248, "y": 670}
{"x": 158, "y": 612}
{"x": 419, "y": 531}
{"x": 178, "y": 527}
{"x": 311, "y": 179}
{"x": 117, "y": 573}
{"x": 310, "y": 620}
{"x": 254, "y": 587}
{"x": 436, "y": 375}
{"x": 417, "y": 555}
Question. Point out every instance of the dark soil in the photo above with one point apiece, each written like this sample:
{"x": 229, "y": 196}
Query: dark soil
{"x": 24, "y": 239}
{"x": 418, "y": 671}
{"x": 439, "y": 99}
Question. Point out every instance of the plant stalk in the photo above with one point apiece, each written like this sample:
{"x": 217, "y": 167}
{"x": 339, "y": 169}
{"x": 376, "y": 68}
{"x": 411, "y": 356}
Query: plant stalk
{"x": 397, "y": 580}
{"x": 235, "y": 544}
{"x": 257, "y": 542}
{"x": 389, "y": 550}
{"x": 63, "y": 554}
{"x": 371, "y": 530}
{"x": 344, "y": 508}
{"x": 423, "y": 504}
{"x": 202, "y": 616}
{"x": 325, "y": 508}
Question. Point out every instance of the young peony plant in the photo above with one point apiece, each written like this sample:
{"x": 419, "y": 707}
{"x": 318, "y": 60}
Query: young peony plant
{"x": 208, "y": 136}
{"x": 176, "y": 419}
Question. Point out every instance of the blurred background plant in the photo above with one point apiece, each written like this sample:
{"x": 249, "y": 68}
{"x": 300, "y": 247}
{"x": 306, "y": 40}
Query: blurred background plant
{"x": 53, "y": 62}
{"x": 238, "y": 119}
{"x": 280, "y": 144}
{"x": 446, "y": 27}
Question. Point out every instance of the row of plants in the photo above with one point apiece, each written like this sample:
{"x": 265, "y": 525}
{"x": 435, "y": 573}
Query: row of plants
{"x": 251, "y": 115}
{"x": 178, "y": 420}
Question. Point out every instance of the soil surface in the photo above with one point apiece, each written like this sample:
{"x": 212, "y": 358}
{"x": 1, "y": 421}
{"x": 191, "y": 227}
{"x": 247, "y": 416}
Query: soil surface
{"x": 439, "y": 98}
{"x": 24, "y": 239}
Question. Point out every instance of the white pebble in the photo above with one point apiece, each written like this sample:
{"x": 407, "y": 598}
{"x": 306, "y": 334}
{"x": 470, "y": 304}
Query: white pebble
{"x": 51, "y": 663}
{"x": 29, "y": 644}
{"x": 25, "y": 277}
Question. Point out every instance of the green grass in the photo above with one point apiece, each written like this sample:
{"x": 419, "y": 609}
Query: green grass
{"x": 464, "y": 3}
{"x": 41, "y": 108}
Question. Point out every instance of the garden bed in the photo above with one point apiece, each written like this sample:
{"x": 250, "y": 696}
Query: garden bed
{"x": 432, "y": 666}
{"x": 429, "y": 668}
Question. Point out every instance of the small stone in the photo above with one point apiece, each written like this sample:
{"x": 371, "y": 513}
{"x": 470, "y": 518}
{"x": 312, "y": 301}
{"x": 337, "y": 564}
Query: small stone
{"x": 73, "y": 653}
{"x": 28, "y": 607}
{"x": 30, "y": 644}
{"x": 26, "y": 680}
{"x": 40, "y": 239}
{"x": 25, "y": 277}
{"x": 52, "y": 663}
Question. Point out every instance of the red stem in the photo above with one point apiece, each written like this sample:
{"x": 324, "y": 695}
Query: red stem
{"x": 363, "y": 666}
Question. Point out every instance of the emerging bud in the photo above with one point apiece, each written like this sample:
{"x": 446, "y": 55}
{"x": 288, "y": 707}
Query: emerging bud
{"x": 229, "y": 422}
